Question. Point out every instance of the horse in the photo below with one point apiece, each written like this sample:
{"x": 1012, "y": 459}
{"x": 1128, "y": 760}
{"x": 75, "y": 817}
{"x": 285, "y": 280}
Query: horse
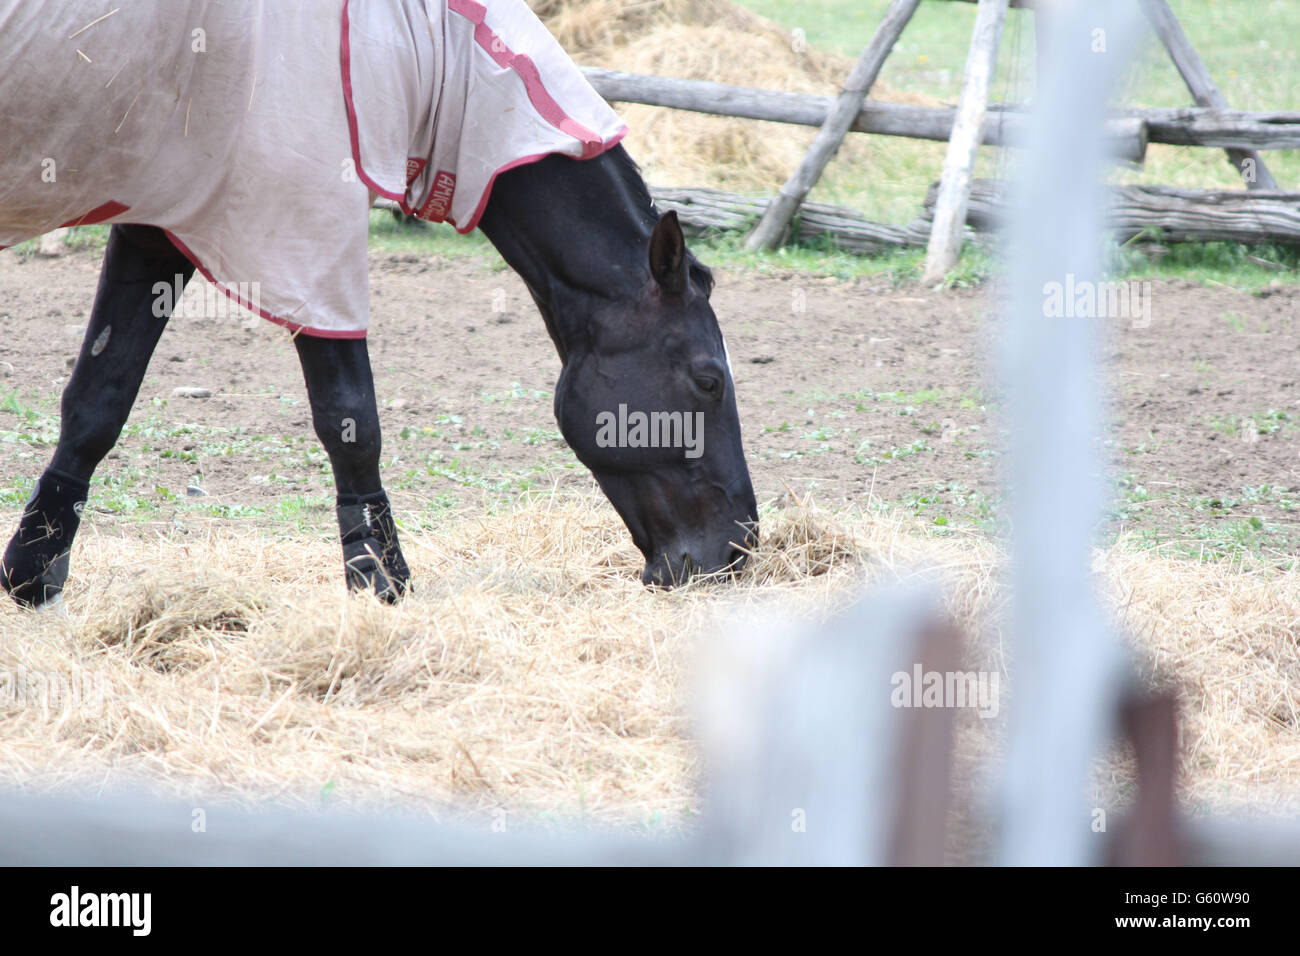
{"x": 510, "y": 139}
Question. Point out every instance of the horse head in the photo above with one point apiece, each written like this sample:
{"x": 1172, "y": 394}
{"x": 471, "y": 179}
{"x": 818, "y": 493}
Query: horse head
{"x": 648, "y": 404}
{"x": 645, "y": 398}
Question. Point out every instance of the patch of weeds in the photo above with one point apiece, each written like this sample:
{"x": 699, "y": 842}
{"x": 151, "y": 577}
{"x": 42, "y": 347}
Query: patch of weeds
{"x": 517, "y": 393}
{"x": 1269, "y": 422}
{"x": 1236, "y": 321}
{"x": 895, "y": 452}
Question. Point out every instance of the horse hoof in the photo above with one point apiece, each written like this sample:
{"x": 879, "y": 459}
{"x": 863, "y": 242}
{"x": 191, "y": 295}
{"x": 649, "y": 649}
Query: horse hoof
{"x": 367, "y": 574}
{"x": 35, "y": 591}
{"x": 26, "y": 596}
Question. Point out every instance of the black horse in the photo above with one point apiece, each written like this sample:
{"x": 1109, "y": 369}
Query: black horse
{"x": 625, "y": 303}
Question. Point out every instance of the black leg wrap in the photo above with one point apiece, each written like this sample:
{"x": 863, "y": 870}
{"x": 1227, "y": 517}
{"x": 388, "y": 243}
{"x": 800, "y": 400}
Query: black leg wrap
{"x": 35, "y": 564}
{"x": 372, "y": 558}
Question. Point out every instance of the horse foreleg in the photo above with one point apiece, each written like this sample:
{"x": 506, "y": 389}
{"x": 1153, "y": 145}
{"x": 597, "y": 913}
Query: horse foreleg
{"x": 341, "y": 390}
{"x": 120, "y": 338}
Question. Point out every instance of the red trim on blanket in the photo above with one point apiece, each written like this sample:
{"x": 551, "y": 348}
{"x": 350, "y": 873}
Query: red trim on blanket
{"x": 345, "y": 61}
{"x": 487, "y": 190}
{"x": 100, "y": 213}
{"x": 235, "y": 297}
{"x": 527, "y": 71}
{"x": 538, "y": 95}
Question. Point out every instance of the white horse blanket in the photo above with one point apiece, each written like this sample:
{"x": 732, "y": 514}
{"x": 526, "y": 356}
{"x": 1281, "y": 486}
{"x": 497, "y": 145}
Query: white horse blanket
{"x": 257, "y": 133}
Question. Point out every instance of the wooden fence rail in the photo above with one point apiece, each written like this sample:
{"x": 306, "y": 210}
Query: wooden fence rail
{"x": 1167, "y": 213}
{"x": 1177, "y": 126}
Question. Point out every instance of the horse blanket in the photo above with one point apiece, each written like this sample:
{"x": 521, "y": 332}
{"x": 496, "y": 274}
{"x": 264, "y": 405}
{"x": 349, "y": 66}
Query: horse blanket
{"x": 258, "y": 133}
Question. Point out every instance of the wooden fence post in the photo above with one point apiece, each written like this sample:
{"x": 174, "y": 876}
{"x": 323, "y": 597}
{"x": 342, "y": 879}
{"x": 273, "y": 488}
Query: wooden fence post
{"x": 772, "y": 228}
{"x": 1203, "y": 88}
{"x": 967, "y": 134}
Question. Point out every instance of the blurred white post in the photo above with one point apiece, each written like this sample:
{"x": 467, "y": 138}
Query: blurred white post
{"x": 805, "y": 745}
{"x": 949, "y": 225}
{"x": 1067, "y": 666}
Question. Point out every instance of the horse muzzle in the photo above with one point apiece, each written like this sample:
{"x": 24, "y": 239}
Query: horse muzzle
{"x": 673, "y": 566}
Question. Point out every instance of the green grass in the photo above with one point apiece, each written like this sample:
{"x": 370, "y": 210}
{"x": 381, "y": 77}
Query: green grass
{"x": 1248, "y": 268}
{"x": 388, "y": 235}
{"x": 1245, "y": 43}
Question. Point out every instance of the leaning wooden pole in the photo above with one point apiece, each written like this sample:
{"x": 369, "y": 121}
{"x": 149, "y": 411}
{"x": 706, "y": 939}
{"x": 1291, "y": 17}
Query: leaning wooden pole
{"x": 1203, "y": 88}
{"x": 775, "y": 224}
{"x": 967, "y": 134}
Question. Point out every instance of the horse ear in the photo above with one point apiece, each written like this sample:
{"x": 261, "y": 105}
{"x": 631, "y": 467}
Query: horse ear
{"x": 668, "y": 254}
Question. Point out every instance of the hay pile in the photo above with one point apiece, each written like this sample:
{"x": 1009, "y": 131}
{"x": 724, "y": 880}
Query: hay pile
{"x": 531, "y": 672}
{"x": 707, "y": 40}
{"x": 1230, "y": 643}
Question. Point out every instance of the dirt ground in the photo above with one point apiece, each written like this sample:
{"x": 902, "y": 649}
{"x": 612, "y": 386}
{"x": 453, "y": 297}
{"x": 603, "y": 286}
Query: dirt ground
{"x": 856, "y": 392}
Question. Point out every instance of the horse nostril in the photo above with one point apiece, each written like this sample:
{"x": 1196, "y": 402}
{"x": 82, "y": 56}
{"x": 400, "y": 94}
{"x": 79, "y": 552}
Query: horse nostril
{"x": 688, "y": 566}
{"x": 653, "y": 578}
{"x": 738, "y": 559}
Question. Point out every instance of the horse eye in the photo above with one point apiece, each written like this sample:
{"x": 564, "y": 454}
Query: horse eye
{"x": 706, "y": 384}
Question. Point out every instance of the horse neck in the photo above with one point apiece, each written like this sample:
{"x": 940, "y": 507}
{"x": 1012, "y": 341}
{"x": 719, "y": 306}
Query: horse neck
{"x": 577, "y": 232}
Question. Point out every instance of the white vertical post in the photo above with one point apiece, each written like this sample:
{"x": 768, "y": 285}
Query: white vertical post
{"x": 1066, "y": 663}
{"x": 967, "y": 133}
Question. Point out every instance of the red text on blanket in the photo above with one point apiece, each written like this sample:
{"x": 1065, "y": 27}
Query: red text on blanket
{"x": 414, "y": 166}
{"x": 436, "y": 209}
